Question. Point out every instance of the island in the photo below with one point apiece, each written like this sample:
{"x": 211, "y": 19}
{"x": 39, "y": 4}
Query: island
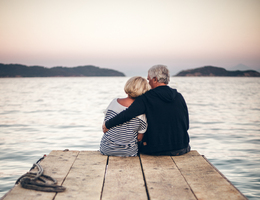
{"x": 18, "y": 70}
{"x": 217, "y": 71}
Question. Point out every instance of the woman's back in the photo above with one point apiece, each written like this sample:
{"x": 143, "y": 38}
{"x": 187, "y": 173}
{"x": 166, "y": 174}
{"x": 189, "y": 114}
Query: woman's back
{"x": 122, "y": 140}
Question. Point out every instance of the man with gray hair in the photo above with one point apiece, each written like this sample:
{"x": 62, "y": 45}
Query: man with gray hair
{"x": 167, "y": 116}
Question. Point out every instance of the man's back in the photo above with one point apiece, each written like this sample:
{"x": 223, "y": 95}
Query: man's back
{"x": 168, "y": 121}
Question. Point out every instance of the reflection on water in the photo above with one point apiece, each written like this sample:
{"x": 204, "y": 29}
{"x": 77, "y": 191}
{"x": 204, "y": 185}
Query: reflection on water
{"x": 38, "y": 115}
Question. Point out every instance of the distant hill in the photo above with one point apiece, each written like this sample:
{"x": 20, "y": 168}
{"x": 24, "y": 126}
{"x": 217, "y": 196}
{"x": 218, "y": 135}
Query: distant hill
{"x": 17, "y": 70}
{"x": 217, "y": 71}
{"x": 240, "y": 67}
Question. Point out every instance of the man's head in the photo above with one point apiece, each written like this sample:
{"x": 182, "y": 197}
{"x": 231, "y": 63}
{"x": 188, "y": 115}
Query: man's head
{"x": 158, "y": 75}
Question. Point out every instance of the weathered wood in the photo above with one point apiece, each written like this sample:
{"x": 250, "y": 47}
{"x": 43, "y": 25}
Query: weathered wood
{"x": 57, "y": 165}
{"x": 204, "y": 180}
{"x": 86, "y": 176}
{"x": 124, "y": 179}
{"x": 163, "y": 179}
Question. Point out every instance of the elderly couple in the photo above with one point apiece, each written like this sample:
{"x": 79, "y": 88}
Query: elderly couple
{"x": 149, "y": 121}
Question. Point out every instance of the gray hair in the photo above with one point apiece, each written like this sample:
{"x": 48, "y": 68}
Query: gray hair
{"x": 160, "y": 72}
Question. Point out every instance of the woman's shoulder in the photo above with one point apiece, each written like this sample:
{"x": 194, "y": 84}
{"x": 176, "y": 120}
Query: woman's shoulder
{"x": 115, "y": 106}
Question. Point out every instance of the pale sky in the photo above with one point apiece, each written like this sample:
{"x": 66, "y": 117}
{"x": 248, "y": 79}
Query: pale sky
{"x": 131, "y": 35}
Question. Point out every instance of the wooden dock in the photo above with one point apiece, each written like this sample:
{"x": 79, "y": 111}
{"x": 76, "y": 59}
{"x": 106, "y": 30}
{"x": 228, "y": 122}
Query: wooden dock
{"x": 90, "y": 175}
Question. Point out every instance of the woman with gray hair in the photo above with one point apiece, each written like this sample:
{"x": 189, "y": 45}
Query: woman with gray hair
{"x": 167, "y": 116}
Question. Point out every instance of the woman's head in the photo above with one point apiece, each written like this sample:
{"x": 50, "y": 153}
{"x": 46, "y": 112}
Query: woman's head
{"x": 160, "y": 72}
{"x": 136, "y": 86}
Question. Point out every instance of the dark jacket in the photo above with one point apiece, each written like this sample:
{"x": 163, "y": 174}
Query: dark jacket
{"x": 167, "y": 117}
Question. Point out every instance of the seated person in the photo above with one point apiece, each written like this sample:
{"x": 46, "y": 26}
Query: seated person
{"x": 121, "y": 140}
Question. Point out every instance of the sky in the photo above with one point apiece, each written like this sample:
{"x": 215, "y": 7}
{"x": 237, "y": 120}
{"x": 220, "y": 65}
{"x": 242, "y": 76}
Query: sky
{"x": 131, "y": 35}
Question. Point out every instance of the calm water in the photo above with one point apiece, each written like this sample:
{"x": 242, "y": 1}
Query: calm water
{"x": 38, "y": 115}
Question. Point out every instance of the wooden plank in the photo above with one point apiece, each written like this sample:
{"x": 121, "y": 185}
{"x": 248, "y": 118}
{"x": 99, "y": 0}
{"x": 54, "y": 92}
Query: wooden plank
{"x": 85, "y": 178}
{"x": 124, "y": 179}
{"x": 163, "y": 179}
{"x": 189, "y": 176}
{"x": 204, "y": 180}
{"x": 56, "y": 164}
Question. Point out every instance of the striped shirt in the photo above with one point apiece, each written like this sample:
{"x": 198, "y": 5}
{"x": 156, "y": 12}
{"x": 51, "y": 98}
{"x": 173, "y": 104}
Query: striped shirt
{"x": 121, "y": 140}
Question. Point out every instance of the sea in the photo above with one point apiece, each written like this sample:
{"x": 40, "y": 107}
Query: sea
{"x": 38, "y": 115}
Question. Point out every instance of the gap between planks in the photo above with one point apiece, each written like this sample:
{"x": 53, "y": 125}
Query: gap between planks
{"x": 88, "y": 174}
